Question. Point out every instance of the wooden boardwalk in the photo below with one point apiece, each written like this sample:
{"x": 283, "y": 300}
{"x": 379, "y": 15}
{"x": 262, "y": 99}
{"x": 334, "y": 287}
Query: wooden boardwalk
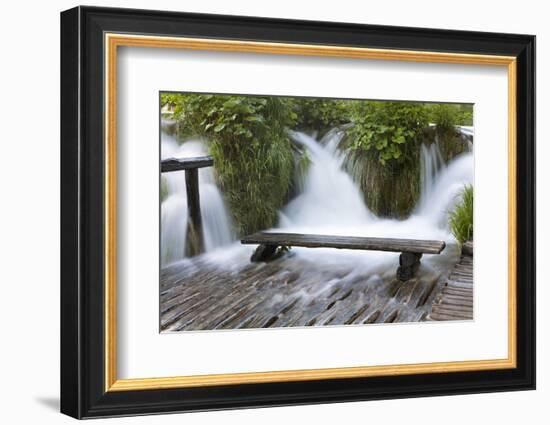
{"x": 456, "y": 300}
{"x": 291, "y": 291}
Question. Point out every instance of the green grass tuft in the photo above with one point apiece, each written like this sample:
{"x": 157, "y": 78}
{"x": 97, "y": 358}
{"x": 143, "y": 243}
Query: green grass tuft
{"x": 461, "y": 219}
{"x": 163, "y": 189}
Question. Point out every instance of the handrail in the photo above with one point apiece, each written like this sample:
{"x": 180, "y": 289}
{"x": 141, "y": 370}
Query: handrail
{"x": 177, "y": 164}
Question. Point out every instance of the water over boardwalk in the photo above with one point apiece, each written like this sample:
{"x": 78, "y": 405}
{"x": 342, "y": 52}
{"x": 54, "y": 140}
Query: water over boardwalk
{"x": 221, "y": 289}
{"x": 291, "y": 291}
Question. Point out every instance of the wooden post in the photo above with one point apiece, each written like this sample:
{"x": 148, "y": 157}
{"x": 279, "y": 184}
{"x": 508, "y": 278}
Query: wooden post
{"x": 264, "y": 253}
{"x": 194, "y": 244}
{"x": 408, "y": 265}
{"x": 195, "y": 240}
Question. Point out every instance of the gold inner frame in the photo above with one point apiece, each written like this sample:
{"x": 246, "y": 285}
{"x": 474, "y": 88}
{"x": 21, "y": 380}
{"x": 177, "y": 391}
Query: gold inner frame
{"x": 113, "y": 41}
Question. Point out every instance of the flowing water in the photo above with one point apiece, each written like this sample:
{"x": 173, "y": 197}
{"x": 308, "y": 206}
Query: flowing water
{"x": 330, "y": 202}
{"x": 329, "y": 196}
{"x": 431, "y": 163}
{"x": 215, "y": 217}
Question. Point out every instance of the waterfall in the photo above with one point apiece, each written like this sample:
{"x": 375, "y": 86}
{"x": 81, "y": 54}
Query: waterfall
{"x": 431, "y": 162}
{"x": 329, "y": 194}
{"x": 442, "y": 184}
{"x": 332, "y": 203}
{"x": 468, "y": 132}
{"x": 330, "y": 199}
{"x": 216, "y": 223}
{"x": 329, "y": 202}
{"x": 447, "y": 187}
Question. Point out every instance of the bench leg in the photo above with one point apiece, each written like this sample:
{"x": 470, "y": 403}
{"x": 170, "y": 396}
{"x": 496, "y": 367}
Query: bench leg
{"x": 264, "y": 253}
{"x": 408, "y": 265}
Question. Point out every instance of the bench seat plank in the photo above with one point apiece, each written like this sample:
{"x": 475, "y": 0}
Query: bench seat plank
{"x": 345, "y": 242}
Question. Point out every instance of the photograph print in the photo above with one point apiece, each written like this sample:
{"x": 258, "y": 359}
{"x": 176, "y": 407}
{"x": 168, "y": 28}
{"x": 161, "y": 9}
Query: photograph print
{"x": 284, "y": 212}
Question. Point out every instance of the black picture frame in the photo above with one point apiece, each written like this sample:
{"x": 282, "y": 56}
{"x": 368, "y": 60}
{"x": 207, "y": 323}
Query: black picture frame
{"x": 83, "y": 392}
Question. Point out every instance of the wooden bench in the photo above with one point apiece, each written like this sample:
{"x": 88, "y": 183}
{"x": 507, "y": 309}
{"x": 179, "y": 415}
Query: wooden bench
{"x": 411, "y": 249}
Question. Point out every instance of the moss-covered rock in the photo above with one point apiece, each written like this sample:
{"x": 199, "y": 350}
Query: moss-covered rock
{"x": 390, "y": 190}
{"x": 451, "y": 142}
{"x": 393, "y": 189}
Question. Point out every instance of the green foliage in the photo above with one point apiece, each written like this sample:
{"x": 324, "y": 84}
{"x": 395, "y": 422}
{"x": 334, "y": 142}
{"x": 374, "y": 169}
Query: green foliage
{"x": 443, "y": 116}
{"x": 390, "y": 190}
{"x": 465, "y": 115}
{"x": 251, "y": 149}
{"x": 388, "y": 132}
{"x": 163, "y": 189}
{"x": 461, "y": 219}
{"x": 302, "y": 165}
{"x": 254, "y": 160}
{"x": 169, "y": 98}
{"x": 320, "y": 114}
{"x": 446, "y": 115}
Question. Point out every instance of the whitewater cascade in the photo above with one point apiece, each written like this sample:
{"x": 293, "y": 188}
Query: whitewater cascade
{"x": 331, "y": 199}
{"x": 329, "y": 202}
{"x": 215, "y": 217}
{"x": 431, "y": 162}
{"x": 329, "y": 195}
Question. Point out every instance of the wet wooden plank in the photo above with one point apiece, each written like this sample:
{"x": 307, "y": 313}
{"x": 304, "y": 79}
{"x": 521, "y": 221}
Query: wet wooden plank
{"x": 453, "y": 299}
{"x": 456, "y": 301}
{"x": 468, "y": 248}
{"x": 459, "y": 284}
{"x": 292, "y": 291}
{"x": 345, "y": 242}
{"x": 449, "y": 316}
{"x": 452, "y": 307}
{"x": 177, "y": 164}
{"x": 372, "y": 316}
{"x": 420, "y": 293}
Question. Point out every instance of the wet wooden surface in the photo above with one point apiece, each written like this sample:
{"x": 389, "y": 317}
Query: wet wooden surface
{"x": 177, "y": 164}
{"x": 456, "y": 300}
{"x": 197, "y": 295}
{"x": 345, "y": 242}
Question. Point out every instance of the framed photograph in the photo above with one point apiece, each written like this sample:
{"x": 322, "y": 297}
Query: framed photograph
{"x": 261, "y": 212}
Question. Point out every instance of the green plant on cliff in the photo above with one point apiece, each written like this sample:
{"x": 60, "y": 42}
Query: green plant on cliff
{"x": 319, "y": 114}
{"x": 461, "y": 218}
{"x": 387, "y": 131}
{"x": 443, "y": 116}
{"x": 465, "y": 114}
{"x": 383, "y": 148}
{"x": 163, "y": 189}
{"x": 447, "y": 115}
{"x": 389, "y": 190}
{"x": 169, "y": 99}
{"x": 251, "y": 149}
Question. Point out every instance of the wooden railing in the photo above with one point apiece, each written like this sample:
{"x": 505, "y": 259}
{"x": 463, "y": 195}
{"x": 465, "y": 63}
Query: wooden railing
{"x": 194, "y": 243}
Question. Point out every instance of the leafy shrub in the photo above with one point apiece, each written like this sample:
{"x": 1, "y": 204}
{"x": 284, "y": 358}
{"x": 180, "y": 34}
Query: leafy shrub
{"x": 254, "y": 156}
{"x": 461, "y": 219}
{"x": 169, "y": 98}
{"x": 251, "y": 149}
{"x": 319, "y": 114}
{"x": 446, "y": 116}
{"x": 387, "y": 131}
{"x": 465, "y": 115}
